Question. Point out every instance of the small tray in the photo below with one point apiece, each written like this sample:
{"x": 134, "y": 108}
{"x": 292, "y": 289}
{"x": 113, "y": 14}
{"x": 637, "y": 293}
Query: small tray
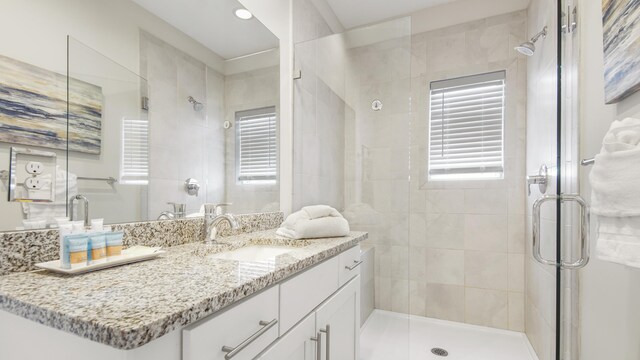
{"x": 131, "y": 255}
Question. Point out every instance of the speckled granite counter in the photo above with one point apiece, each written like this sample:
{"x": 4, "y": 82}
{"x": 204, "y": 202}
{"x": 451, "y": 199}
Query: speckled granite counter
{"x": 129, "y": 306}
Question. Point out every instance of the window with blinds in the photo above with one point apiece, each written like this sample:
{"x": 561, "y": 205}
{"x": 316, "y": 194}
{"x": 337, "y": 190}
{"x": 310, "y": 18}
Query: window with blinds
{"x": 256, "y": 146}
{"x": 466, "y": 128}
{"x": 134, "y": 158}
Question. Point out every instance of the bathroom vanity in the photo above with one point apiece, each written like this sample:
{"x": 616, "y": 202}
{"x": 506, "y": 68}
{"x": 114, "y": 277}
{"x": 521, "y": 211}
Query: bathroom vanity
{"x": 254, "y": 295}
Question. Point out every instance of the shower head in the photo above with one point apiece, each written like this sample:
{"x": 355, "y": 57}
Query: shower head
{"x": 197, "y": 106}
{"x": 526, "y": 48}
{"x": 529, "y": 47}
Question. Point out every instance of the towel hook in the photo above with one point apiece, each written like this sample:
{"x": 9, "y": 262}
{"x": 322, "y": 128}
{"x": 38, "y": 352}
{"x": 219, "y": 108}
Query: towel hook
{"x": 587, "y": 162}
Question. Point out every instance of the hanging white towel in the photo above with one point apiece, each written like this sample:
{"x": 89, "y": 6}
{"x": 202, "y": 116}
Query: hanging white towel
{"x": 319, "y": 221}
{"x": 615, "y": 195}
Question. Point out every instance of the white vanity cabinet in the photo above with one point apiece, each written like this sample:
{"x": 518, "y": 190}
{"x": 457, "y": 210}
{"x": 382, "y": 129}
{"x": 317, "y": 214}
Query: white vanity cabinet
{"x": 278, "y": 323}
{"x": 338, "y": 324}
{"x": 330, "y": 332}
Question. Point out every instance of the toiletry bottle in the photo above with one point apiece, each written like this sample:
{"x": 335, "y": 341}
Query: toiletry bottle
{"x": 97, "y": 225}
{"x": 75, "y": 250}
{"x": 78, "y": 227}
{"x": 64, "y": 230}
{"x": 114, "y": 243}
{"x": 97, "y": 250}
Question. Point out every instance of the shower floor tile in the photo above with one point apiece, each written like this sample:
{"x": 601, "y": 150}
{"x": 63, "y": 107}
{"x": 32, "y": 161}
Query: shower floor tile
{"x": 393, "y": 336}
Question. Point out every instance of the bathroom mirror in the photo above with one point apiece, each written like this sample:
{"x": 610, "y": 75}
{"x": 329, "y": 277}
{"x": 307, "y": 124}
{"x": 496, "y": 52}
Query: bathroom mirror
{"x": 161, "y": 106}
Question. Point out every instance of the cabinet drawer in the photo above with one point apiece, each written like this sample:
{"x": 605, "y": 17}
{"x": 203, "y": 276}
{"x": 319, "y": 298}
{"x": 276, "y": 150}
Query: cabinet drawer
{"x": 349, "y": 264}
{"x": 304, "y": 292}
{"x": 248, "y": 327}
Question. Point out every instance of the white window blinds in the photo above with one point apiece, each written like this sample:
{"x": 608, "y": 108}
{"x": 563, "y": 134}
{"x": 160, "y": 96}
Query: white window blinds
{"x": 466, "y": 127}
{"x": 134, "y": 159}
{"x": 256, "y": 146}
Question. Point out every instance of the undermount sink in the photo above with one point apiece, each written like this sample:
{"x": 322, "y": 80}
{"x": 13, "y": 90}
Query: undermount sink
{"x": 253, "y": 253}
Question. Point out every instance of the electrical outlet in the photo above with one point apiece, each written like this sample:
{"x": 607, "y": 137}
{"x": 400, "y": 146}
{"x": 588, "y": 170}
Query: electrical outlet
{"x": 33, "y": 183}
{"x": 34, "y": 167}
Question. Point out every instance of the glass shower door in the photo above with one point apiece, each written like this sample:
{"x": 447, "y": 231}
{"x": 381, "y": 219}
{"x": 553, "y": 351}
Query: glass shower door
{"x": 560, "y": 218}
{"x": 351, "y": 151}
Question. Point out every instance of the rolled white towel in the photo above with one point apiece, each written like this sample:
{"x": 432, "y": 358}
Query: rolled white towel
{"x": 320, "y": 211}
{"x": 318, "y": 221}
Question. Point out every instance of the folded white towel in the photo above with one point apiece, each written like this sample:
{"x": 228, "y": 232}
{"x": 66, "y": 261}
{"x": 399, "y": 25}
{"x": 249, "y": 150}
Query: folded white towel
{"x": 318, "y": 221}
{"x": 619, "y": 240}
{"x": 615, "y": 198}
{"x": 615, "y": 174}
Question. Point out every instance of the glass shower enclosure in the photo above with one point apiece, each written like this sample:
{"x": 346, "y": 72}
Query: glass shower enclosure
{"x": 351, "y": 151}
{"x": 455, "y": 253}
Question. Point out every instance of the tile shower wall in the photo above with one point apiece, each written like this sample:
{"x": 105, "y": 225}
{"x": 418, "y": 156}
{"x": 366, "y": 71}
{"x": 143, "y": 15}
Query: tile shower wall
{"x": 467, "y": 237}
{"x": 245, "y": 91}
{"x": 184, "y": 143}
{"x": 318, "y": 112}
{"x": 541, "y": 149}
{"x": 450, "y": 250}
{"x": 377, "y": 153}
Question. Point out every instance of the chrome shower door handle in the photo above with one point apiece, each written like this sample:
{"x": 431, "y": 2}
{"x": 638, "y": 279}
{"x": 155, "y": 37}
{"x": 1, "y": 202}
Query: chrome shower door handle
{"x": 584, "y": 231}
{"x": 537, "y": 205}
{"x": 585, "y": 221}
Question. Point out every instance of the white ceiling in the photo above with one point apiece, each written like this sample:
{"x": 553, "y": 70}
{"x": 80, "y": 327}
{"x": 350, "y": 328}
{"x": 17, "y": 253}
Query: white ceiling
{"x": 213, "y": 24}
{"x": 354, "y": 13}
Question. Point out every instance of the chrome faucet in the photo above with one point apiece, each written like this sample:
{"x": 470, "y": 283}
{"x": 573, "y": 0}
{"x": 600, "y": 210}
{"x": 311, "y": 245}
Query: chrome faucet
{"x": 179, "y": 212}
{"x": 85, "y": 202}
{"x": 213, "y": 216}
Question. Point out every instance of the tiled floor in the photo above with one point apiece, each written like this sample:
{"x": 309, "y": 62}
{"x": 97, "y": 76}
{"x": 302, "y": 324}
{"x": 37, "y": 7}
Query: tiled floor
{"x": 393, "y": 336}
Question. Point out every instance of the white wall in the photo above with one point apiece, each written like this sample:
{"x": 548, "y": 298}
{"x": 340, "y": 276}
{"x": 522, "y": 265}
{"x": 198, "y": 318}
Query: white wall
{"x": 610, "y": 293}
{"x": 462, "y": 11}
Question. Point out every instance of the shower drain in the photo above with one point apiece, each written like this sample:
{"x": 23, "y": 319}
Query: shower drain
{"x": 439, "y": 352}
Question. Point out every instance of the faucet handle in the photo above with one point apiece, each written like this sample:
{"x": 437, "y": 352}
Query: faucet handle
{"x": 215, "y": 209}
{"x": 178, "y": 208}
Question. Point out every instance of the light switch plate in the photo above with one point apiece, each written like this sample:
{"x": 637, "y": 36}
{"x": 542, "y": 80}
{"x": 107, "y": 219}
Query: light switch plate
{"x": 32, "y": 175}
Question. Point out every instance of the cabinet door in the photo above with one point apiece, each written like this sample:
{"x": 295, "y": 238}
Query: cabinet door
{"x": 338, "y": 323}
{"x": 297, "y": 344}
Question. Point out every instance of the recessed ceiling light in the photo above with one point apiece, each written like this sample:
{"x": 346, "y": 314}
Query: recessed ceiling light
{"x": 243, "y": 14}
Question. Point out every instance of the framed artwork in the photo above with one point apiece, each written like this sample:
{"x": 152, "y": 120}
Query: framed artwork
{"x": 621, "y": 24}
{"x": 33, "y": 109}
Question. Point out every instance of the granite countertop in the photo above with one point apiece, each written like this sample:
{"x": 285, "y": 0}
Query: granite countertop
{"x": 128, "y": 306}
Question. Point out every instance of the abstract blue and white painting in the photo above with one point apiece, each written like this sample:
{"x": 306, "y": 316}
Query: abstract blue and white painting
{"x": 621, "y": 23}
{"x": 33, "y": 109}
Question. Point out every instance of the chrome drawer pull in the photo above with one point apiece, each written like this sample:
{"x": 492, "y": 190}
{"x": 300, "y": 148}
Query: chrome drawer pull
{"x": 231, "y": 352}
{"x": 328, "y": 332}
{"x": 318, "y": 340}
{"x": 355, "y": 265}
